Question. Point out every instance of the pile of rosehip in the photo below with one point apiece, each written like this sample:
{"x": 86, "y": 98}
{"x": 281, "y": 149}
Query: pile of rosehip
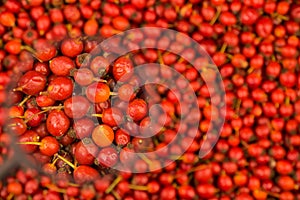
{"x": 72, "y": 114}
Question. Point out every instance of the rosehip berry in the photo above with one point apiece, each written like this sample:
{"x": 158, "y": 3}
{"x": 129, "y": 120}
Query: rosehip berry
{"x": 103, "y": 135}
{"x": 85, "y": 151}
{"x": 61, "y": 65}
{"x": 31, "y": 83}
{"x": 98, "y": 92}
{"x": 76, "y": 107}
{"x": 60, "y": 88}
{"x": 122, "y": 69}
{"x": 71, "y": 47}
{"x": 57, "y": 123}
{"x": 137, "y": 109}
{"x": 107, "y": 157}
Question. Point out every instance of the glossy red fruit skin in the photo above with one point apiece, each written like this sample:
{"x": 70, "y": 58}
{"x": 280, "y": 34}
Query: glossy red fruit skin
{"x": 84, "y": 173}
{"x": 49, "y": 146}
{"x": 57, "y": 123}
{"x": 29, "y": 136}
{"x": 7, "y": 18}
{"x": 71, "y": 47}
{"x": 42, "y": 68}
{"x": 32, "y": 82}
{"x": 76, "y": 107}
{"x": 35, "y": 118}
{"x": 287, "y": 183}
{"x": 60, "y": 88}
{"x": 44, "y": 101}
{"x": 19, "y": 126}
{"x": 61, "y": 65}
{"x": 85, "y": 152}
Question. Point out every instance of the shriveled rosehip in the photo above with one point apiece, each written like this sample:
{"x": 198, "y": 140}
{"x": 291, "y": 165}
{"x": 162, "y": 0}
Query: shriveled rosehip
{"x": 43, "y": 68}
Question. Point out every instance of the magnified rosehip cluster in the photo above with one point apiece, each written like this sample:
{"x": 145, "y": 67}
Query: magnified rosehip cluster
{"x": 71, "y": 109}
